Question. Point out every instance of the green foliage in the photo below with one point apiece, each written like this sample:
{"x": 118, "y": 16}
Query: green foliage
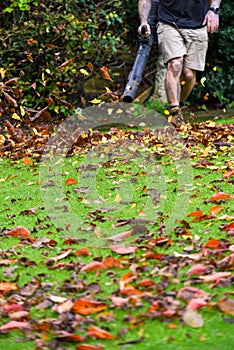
{"x": 48, "y": 43}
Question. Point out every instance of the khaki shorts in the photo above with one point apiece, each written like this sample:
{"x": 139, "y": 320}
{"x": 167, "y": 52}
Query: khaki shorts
{"x": 188, "y": 43}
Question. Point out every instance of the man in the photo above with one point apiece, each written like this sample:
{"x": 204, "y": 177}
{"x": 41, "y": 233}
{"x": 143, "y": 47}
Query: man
{"x": 183, "y": 39}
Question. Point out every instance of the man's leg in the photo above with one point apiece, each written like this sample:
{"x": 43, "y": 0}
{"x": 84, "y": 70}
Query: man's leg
{"x": 172, "y": 81}
{"x": 188, "y": 80}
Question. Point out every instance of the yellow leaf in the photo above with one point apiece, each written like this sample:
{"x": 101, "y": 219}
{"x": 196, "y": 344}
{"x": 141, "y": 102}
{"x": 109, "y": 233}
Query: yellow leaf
{"x": 84, "y": 71}
{"x": 117, "y": 198}
{"x": 203, "y": 81}
{"x": 22, "y": 111}
{"x": 3, "y": 72}
{"x": 107, "y": 89}
{"x": 166, "y": 112}
{"x": 96, "y": 101}
{"x": 15, "y": 116}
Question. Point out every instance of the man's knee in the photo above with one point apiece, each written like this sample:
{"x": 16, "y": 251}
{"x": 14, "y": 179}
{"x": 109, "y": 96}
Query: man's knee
{"x": 189, "y": 74}
{"x": 175, "y": 65}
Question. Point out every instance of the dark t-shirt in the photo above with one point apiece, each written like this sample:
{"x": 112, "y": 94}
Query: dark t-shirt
{"x": 183, "y": 13}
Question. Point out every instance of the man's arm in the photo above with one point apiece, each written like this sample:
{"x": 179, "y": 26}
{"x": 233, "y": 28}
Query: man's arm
{"x": 144, "y": 7}
{"x": 212, "y": 19}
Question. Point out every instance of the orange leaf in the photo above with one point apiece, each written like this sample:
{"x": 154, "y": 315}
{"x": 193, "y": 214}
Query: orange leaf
{"x": 7, "y": 286}
{"x": 70, "y": 181}
{"x": 26, "y": 160}
{"x": 228, "y": 173}
{"x": 197, "y": 213}
{"x": 213, "y": 244}
{"x": 122, "y": 249}
{"x": 86, "y": 307}
{"x": 112, "y": 262}
{"x": 99, "y": 333}
{"x": 69, "y": 337}
{"x": 172, "y": 326}
{"x": 218, "y": 196}
{"x": 228, "y": 227}
{"x": 82, "y": 252}
{"x": 105, "y": 73}
{"x": 227, "y": 306}
{"x": 89, "y": 347}
{"x": 92, "y": 266}
{"x": 18, "y": 231}
{"x": 216, "y": 209}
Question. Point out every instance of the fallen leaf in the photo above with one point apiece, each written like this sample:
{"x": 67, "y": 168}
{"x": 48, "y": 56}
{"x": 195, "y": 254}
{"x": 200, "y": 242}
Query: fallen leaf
{"x": 18, "y": 231}
{"x": 213, "y": 244}
{"x": 68, "y": 337}
{"x": 228, "y": 227}
{"x": 228, "y": 173}
{"x": 99, "y": 333}
{"x": 15, "y": 325}
{"x": 192, "y": 318}
{"x": 122, "y": 249}
{"x": 215, "y": 277}
{"x": 7, "y": 286}
{"x": 196, "y": 303}
{"x": 226, "y": 306}
{"x": 71, "y": 181}
{"x": 216, "y": 209}
{"x": 86, "y": 307}
{"x": 93, "y": 266}
{"x": 218, "y": 196}
{"x": 197, "y": 269}
{"x": 121, "y": 236}
{"x": 89, "y": 347}
{"x": 197, "y": 213}
{"x": 105, "y": 73}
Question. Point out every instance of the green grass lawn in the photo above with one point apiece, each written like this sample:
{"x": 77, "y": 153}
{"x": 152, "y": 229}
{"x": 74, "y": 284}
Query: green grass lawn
{"x": 83, "y": 200}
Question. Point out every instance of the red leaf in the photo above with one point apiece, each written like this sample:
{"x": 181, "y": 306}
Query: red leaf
{"x": 99, "y": 333}
{"x": 70, "y": 181}
{"x": 228, "y": 227}
{"x": 197, "y": 213}
{"x": 93, "y": 266}
{"x": 86, "y": 307}
{"x": 213, "y": 244}
{"x": 218, "y": 196}
{"x": 18, "y": 231}
{"x": 122, "y": 249}
{"x": 15, "y": 325}
{"x": 13, "y": 307}
{"x": 69, "y": 337}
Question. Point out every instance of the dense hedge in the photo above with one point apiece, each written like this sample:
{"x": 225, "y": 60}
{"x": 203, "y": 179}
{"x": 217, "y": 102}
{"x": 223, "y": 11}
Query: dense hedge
{"x": 53, "y": 47}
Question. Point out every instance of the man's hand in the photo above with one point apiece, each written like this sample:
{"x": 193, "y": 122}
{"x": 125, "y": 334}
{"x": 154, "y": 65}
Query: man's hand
{"x": 212, "y": 21}
{"x": 144, "y": 29}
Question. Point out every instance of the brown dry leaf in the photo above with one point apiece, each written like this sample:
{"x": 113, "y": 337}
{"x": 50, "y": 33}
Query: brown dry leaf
{"x": 122, "y": 249}
{"x": 68, "y": 337}
{"x": 18, "y": 231}
{"x": 215, "y": 277}
{"x": 93, "y": 266}
{"x": 99, "y": 333}
{"x": 111, "y": 262}
{"x": 121, "y": 236}
{"x": 226, "y": 306}
{"x": 86, "y": 307}
{"x": 105, "y": 73}
{"x": 81, "y": 252}
{"x": 192, "y": 318}
{"x": 197, "y": 269}
{"x": 59, "y": 257}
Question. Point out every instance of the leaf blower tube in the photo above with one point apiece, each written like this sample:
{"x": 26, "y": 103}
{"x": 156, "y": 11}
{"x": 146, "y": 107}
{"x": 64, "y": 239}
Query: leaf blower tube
{"x": 145, "y": 44}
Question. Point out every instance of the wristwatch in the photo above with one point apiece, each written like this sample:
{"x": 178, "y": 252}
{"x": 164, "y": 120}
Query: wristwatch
{"x": 216, "y": 10}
